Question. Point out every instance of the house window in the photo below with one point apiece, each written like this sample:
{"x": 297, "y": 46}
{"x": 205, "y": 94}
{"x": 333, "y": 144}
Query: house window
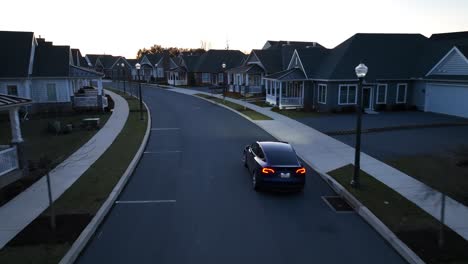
{"x": 221, "y": 77}
{"x": 12, "y": 90}
{"x": 206, "y": 78}
{"x": 401, "y": 93}
{"x": 160, "y": 72}
{"x": 347, "y": 94}
{"x": 322, "y": 93}
{"x": 381, "y": 94}
{"x": 51, "y": 92}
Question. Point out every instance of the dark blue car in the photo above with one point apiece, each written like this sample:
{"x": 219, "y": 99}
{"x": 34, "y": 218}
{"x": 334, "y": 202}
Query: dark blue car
{"x": 274, "y": 165}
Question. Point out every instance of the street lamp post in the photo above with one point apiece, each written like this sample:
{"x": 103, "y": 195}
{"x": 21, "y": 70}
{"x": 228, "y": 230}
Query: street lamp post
{"x": 124, "y": 76}
{"x": 361, "y": 71}
{"x": 224, "y": 86}
{"x": 138, "y": 66}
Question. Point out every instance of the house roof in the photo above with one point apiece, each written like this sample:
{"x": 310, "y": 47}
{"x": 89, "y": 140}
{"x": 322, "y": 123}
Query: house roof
{"x": 250, "y": 69}
{"x": 78, "y": 59}
{"x": 154, "y": 58}
{"x": 107, "y": 61}
{"x": 15, "y": 53}
{"x": 212, "y": 60}
{"x": 311, "y": 59}
{"x": 92, "y": 58}
{"x": 273, "y": 44}
{"x": 190, "y": 62}
{"x": 388, "y": 56}
{"x": 464, "y": 50}
{"x": 271, "y": 59}
{"x": 51, "y": 61}
{"x": 288, "y": 75}
{"x": 82, "y": 72}
{"x": 8, "y": 101}
{"x": 447, "y": 77}
{"x": 451, "y": 36}
{"x": 132, "y": 62}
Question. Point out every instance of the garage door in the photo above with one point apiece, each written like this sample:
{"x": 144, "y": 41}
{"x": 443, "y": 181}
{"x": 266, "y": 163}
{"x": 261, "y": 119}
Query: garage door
{"x": 447, "y": 99}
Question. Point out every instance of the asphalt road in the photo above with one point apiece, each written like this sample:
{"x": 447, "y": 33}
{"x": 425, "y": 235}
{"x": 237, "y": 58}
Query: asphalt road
{"x": 192, "y": 201}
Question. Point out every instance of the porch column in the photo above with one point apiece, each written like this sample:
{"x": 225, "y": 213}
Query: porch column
{"x": 100, "y": 93}
{"x": 15, "y": 126}
{"x": 303, "y": 88}
{"x": 280, "y": 94}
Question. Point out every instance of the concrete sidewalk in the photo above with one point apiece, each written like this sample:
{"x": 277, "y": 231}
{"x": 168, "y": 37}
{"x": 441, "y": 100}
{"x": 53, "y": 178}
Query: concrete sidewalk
{"x": 28, "y": 205}
{"x": 325, "y": 154}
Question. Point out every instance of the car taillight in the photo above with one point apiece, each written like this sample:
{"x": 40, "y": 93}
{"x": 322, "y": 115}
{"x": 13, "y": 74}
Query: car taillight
{"x": 268, "y": 171}
{"x": 301, "y": 171}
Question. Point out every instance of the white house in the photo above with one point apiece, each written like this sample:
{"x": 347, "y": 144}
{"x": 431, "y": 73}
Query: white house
{"x": 46, "y": 74}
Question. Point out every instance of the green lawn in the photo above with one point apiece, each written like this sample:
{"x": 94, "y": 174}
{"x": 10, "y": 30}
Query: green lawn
{"x": 88, "y": 193}
{"x": 411, "y": 224}
{"x": 239, "y": 108}
{"x": 261, "y": 104}
{"x": 441, "y": 173}
{"x": 298, "y": 113}
{"x": 39, "y": 141}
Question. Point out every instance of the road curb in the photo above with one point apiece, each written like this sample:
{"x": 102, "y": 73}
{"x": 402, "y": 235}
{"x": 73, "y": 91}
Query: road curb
{"x": 85, "y": 236}
{"x": 360, "y": 209}
{"x": 373, "y": 221}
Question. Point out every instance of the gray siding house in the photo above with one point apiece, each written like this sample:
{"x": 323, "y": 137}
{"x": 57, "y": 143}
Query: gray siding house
{"x": 406, "y": 71}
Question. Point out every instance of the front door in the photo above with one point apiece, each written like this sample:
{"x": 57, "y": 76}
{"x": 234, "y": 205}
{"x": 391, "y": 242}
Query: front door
{"x": 367, "y": 98}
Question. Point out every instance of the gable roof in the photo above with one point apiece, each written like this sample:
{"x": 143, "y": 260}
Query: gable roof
{"x": 271, "y": 60}
{"x": 15, "y": 53}
{"x": 212, "y": 60}
{"x": 132, "y": 62}
{"x": 388, "y": 56}
{"x": 154, "y": 58}
{"x": 107, "y": 61}
{"x": 78, "y": 59}
{"x": 190, "y": 62}
{"x": 451, "y": 36}
{"x": 463, "y": 50}
{"x": 51, "y": 61}
{"x": 311, "y": 59}
{"x": 92, "y": 58}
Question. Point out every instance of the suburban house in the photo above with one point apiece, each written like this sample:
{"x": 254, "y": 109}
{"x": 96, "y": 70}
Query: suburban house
{"x": 104, "y": 64}
{"x": 77, "y": 59}
{"x": 133, "y": 70}
{"x": 209, "y": 69}
{"x": 38, "y": 70}
{"x": 182, "y": 71}
{"x": 155, "y": 66}
{"x": 91, "y": 59}
{"x": 405, "y": 71}
{"x": 121, "y": 69}
{"x": 274, "y": 57}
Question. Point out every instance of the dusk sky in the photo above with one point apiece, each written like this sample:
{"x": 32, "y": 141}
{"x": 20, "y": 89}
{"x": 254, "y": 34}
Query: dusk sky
{"x": 122, "y": 27}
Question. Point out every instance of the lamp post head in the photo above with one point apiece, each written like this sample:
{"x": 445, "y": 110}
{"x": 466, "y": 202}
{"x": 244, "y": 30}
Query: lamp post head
{"x": 361, "y": 70}
{"x": 137, "y": 66}
{"x": 223, "y": 65}
{"x": 122, "y": 65}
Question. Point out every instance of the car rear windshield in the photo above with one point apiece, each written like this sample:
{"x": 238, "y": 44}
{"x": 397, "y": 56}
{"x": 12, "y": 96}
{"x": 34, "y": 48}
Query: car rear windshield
{"x": 282, "y": 157}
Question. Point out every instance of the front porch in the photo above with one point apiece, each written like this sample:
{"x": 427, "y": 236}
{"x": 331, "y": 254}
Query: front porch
{"x": 10, "y": 155}
{"x": 246, "y": 79}
{"x": 177, "y": 77}
{"x": 87, "y": 89}
{"x": 286, "y": 91}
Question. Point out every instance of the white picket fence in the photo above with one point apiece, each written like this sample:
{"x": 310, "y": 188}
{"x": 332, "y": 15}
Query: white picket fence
{"x": 8, "y": 159}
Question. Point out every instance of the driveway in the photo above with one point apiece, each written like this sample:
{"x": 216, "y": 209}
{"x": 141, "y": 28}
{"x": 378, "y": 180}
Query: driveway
{"x": 345, "y": 122}
{"x": 397, "y": 143}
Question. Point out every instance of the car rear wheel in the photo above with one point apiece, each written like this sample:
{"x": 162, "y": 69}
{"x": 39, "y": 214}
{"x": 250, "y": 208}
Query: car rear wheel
{"x": 255, "y": 184}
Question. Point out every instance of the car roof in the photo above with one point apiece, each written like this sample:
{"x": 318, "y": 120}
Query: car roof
{"x": 268, "y": 146}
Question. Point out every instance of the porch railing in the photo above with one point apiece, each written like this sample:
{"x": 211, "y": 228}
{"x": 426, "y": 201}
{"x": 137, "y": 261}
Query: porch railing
{"x": 8, "y": 159}
{"x": 291, "y": 101}
{"x": 85, "y": 101}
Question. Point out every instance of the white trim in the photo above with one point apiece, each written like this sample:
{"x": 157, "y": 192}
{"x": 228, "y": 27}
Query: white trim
{"x": 446, "y": 55}
{"x": 347, "y": 96}
{"x": 377, "y": 93}
{"x": 318, "y": 93}
{"x": 300, "y": 62}
{"x": 398, "y": 90}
